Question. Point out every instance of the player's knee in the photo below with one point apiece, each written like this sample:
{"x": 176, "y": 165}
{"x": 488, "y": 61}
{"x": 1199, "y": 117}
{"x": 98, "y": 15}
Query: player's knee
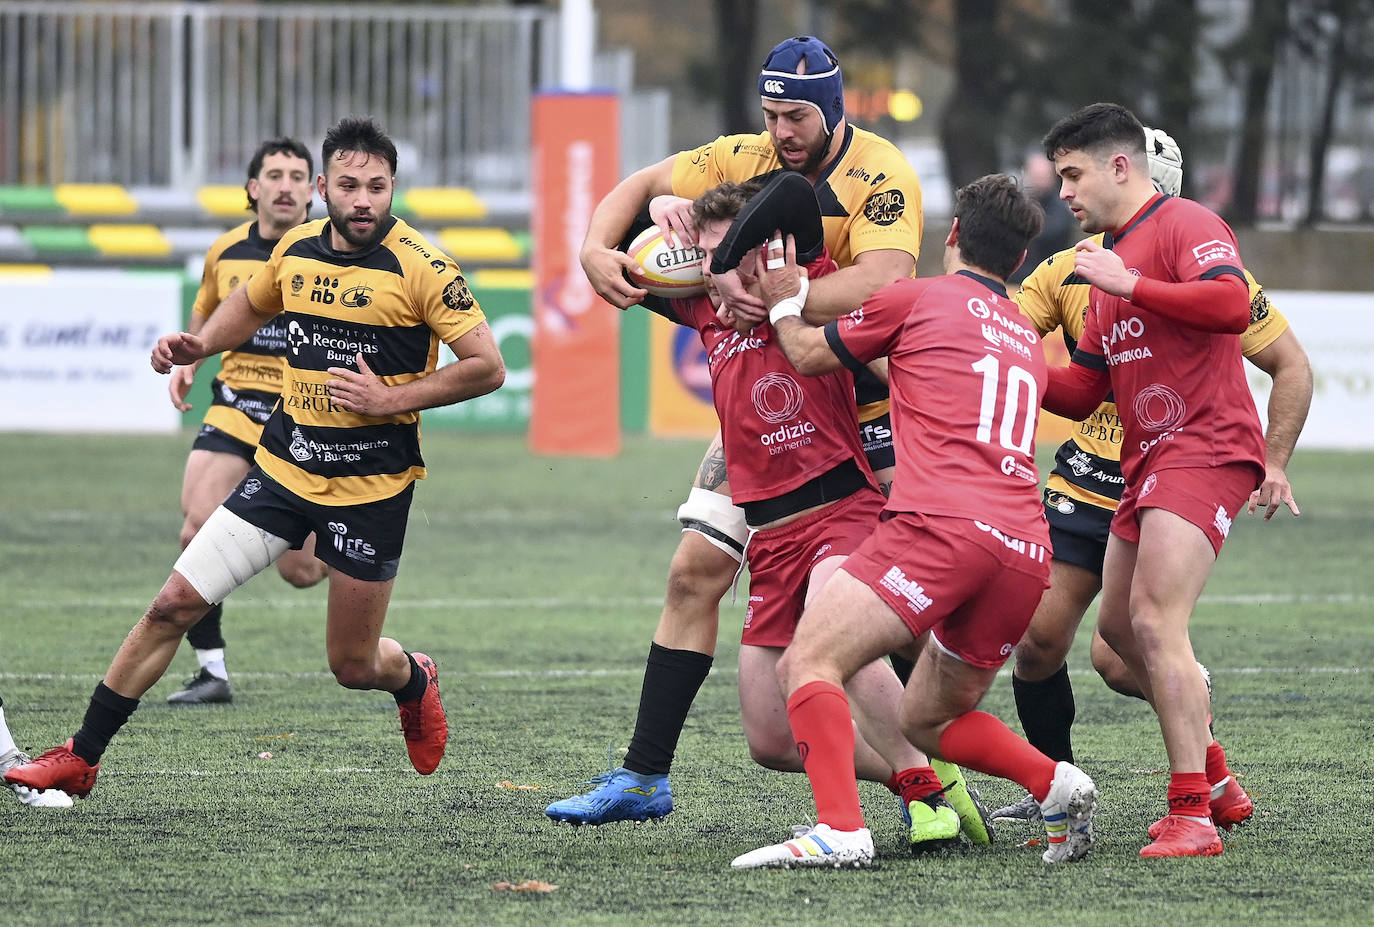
{"x": 1153, "y": 630}
{"x": 919, "y": 728}
{"x": 1109, "y": 665}
{"x": 302, "y": 575}
{"x": 177, "y": 607}
{"x": 775, "y": 753}
{"x": 1040, "y": 654}
{"x": 698, "y": 577}
{"x": 352, "y": 673}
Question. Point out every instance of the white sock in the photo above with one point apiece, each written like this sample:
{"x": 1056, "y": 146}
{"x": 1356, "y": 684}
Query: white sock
{"x": 6, "y": 741}
{"x": 1219, "y": 788}
{"x": 213, "y": 662}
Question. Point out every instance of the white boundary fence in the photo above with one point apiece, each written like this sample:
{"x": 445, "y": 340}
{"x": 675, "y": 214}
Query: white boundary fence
{"x": 175, "y": 94}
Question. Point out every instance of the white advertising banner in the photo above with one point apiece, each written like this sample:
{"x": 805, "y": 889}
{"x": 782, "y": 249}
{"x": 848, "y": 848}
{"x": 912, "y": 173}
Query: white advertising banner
{"x": 1337, "y": 330}
{"x": 74, "y": 349}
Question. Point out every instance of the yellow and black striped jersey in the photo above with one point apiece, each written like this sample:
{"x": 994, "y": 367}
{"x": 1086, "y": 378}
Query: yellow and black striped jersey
{"x": 1088, "y": 466}
{"x": 393, "y": 302}
{"x": 254, "y": 367}
{"x": 870, "y": 201}
{"x": 870, "y": 197}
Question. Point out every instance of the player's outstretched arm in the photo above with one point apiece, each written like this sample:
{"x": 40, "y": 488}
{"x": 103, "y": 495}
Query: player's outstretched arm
{"x": 480, "y": 369}
{"x": 1289, "y": 399}
{"x": 233, "y": 323}
{"x": 1074, "y": 391}
{"x": 184, "y": 376}
{"x": 843, "y": 291}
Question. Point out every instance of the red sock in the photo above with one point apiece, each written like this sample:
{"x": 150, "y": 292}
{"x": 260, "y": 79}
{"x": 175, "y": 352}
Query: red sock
{"x": 1189, "y": 794}
{"x": 1217, "y": 770}
{"x": 977, "y": 740}
{"x": 821, "y": 725}
{"x": 914, "y": 783}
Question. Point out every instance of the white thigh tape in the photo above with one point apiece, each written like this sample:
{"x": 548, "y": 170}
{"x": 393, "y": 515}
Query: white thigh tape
{"x": 715, "y": 518}
{"x": 225, "y": 553}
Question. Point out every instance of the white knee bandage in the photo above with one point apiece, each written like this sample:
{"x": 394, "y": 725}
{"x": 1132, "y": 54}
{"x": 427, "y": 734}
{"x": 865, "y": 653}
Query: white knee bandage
{"x": 715, "y": 518}
{"x": 225, "y": 553}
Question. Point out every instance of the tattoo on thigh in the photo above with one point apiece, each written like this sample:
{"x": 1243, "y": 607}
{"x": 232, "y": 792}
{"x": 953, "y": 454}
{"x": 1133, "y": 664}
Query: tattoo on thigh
{"x": 712, "y": 473}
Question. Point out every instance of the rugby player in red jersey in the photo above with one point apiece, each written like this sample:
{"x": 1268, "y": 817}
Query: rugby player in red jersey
{"x": 796, "y": 465}
{"x": 1168, "y": 303}
{"x": 961, "y": 551}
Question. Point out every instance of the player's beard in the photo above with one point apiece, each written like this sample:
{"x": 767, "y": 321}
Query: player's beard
{"x": 339, "y": 219}
{"x": 815, "y": 157}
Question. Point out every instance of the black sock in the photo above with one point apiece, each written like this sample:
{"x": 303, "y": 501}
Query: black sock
{"x": 416, "y": 687}
{"x": 1046, "y": 711}
{"x": 902, "y": 667}
{"x": 105, "y": 715}
{"x": 205, "y": 634}
{"x": 671, "y": 681}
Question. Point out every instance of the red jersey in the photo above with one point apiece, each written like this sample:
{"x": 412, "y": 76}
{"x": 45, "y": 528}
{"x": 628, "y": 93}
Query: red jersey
{"x": 966, "y": 374}
{"x": 1181, "y": 392}
{"x": 779, "y": 428}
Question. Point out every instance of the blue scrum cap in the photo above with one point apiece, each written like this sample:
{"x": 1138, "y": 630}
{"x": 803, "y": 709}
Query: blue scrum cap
{"x": 822, "y": 86}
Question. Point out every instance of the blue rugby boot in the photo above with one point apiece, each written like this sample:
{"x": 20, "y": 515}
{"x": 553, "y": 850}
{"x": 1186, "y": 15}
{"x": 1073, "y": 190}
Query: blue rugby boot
{"x": 620, "y": 795}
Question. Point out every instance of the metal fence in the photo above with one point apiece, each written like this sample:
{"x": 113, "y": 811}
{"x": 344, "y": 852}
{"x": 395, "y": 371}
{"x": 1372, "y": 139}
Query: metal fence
{"x": 176, "y": 94}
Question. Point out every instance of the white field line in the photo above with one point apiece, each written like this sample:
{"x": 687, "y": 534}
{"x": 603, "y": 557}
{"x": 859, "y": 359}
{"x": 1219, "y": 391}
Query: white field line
{"x": 318, "y": 603}
{"x": 263, "y": 766}
{"x": 592, "y": 673}
{"x": 558, "y": 602}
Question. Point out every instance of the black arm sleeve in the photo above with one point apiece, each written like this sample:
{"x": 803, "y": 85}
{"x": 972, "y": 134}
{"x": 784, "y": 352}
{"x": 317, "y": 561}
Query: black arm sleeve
{"x": 788, "y": 203}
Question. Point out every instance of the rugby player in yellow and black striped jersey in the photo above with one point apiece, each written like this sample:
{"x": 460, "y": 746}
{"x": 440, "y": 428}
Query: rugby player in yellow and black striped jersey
{"x": 367, "y": 301}
{"x": 1082, "y": 492}
{"x": 247, "y": 388}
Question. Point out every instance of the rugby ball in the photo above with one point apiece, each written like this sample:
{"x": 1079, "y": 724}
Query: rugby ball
{"x": 673, "y": 273}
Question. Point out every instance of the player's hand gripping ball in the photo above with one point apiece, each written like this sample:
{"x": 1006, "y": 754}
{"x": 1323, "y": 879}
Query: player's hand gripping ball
{"x": 670, "y": 272}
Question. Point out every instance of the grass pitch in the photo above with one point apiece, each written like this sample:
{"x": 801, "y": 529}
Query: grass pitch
{"x": 535, "y": 583}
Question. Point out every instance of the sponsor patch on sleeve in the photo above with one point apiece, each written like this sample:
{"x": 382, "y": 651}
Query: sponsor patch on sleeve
{"x": 1209, "y": 252}
{"x": 457, "y": 296}
{"x": 885, "y": 207}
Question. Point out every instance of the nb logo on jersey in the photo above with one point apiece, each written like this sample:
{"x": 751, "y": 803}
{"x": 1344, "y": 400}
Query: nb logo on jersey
{"x": 323, "y": 291}
{"x": 772, "y": 86}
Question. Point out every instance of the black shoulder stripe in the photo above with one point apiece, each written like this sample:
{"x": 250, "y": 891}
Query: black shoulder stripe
{"x": 246, "y": 249}
{"x": 375, "y": 258}
{"x": 1089, "y": 360}
{"x": 1075, "y": 280}
{"x": 832, "y": 338}
{"x": 1222, "y": 271}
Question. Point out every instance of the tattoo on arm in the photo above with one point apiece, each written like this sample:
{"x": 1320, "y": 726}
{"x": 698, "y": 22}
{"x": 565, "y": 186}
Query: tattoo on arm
{"x": 712, "y": 473}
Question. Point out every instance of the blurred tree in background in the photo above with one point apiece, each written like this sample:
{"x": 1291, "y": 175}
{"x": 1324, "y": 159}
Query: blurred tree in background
{"x": 1016, "y": 66}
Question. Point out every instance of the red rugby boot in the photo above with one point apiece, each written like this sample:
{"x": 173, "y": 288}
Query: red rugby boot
{"x": 423, "y": 722}
{"x": 1229, "y": 809}
{"x": 59, "y": 769}
{"x": 1179, "y": 836}
{"x": 1232, "y": 807}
